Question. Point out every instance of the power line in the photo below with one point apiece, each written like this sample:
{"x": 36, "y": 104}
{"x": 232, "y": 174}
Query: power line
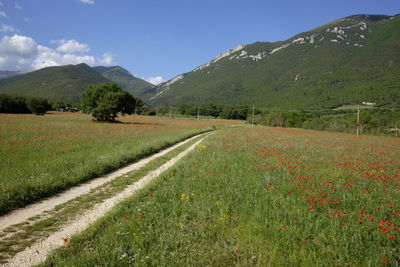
{"x": 272, "y": 110}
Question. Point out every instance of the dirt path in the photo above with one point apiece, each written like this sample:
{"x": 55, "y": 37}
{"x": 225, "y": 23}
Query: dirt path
{"x": 39, "y": 251}
{"x": 21, "y": 215}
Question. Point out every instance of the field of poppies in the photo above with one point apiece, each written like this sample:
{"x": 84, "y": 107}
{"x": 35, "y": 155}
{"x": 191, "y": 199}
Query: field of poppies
{"x": 258, "y": 196}
{"x": 41, "y": 155}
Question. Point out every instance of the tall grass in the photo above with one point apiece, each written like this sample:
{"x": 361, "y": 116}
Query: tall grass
{"x": 259, "y": 196}
{"x": 41, "y": 155}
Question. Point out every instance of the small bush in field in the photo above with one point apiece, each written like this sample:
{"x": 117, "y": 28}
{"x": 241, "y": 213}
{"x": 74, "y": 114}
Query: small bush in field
{"x": 38, "y": 106}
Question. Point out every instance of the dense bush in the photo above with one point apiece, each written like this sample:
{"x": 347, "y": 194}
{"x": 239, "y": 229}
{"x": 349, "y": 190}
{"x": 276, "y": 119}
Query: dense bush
{"x": 20, "y": 104}
{"x": 13, "y": 104}
{"x": 38, "y": 106}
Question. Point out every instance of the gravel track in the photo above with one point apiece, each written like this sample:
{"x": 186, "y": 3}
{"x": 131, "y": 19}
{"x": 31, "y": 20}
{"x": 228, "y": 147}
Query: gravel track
{"x": 39, "y": 251}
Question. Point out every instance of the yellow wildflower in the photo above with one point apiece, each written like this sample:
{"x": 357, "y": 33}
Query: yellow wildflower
{"x": 184, "y": 196}
{"x": 223, "y": 218}
{"x": 203, "y": 146}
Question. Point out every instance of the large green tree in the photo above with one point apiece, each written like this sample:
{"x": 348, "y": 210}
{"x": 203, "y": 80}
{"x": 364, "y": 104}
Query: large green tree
{"x": 106, "y": 101}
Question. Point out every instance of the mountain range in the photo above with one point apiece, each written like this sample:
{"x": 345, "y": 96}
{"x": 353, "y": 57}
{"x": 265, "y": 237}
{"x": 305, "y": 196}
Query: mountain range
{"x": 349, "y": 60}
{"x": 66, "y": 83}
{"x": 5, "y": 73}
{"x": 125, "y": 79}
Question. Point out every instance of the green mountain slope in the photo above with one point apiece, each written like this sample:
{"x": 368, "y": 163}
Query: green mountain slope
{"x": 64, "y": 83}
{"x": 125, "y": 79}
{"x": 349, "y": 60}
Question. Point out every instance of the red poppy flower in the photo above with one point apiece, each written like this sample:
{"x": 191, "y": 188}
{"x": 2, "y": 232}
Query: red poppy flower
{"x": 65, "y": 240}
{"x": 384, "y": 260}
{"x": 236, "y": 252}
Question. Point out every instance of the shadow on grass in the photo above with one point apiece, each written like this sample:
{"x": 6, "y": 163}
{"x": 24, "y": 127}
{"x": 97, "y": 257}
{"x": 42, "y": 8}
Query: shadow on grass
{"x": 127, "y": 122}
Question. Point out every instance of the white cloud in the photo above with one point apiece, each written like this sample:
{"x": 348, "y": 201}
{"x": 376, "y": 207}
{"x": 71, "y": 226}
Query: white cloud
{"x": 7, "y": 28}
{"x": 48, "y": 57}
{"x": 107, "y": 59}
{"x": 3, "y": 61}
{"x": 3, "y": 14}
{"x": 72, "y": 46}
{"x": 155, "y": 80}
{"x": 1, "y": 4}
{"x": 87, "y": 1}
{"x": 18, "y": 6}
{"x": 18, "y": 45}
{"x": 23, "y": 53}
{"x": 28, "y": 20}
{"x": 17, "y": 52}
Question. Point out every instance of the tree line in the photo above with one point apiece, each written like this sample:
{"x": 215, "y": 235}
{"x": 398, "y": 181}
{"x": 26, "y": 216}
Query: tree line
{"x": 230, "y": 112}
{"x": 371, "y": 121}
{"x": 22, "y": 104}
{"x": 106, "y": 101}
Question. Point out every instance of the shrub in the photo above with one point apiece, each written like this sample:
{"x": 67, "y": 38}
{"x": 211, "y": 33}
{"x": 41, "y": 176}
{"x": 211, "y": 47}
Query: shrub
{"x": 38, "y": 106}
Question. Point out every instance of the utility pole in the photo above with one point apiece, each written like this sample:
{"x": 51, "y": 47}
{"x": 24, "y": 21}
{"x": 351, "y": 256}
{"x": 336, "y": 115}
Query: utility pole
{"x": 358, "y": 119}
{"x": 252, "y": 119}
{"x": 156, "y": 112}
{"x": 170, "y": 112}
{"x": 198, "y": 113}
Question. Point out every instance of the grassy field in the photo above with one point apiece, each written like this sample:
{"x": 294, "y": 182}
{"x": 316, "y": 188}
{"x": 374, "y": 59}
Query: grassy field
{"x": 41, "y": 155}
{"x": 258, "y": 196}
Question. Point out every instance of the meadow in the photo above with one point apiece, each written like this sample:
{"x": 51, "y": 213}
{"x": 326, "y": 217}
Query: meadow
{"x": 43, "y": 155}
{"x": 257, "y": 196}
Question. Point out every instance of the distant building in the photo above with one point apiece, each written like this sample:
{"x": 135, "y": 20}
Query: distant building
{"x": 71, "y": 109}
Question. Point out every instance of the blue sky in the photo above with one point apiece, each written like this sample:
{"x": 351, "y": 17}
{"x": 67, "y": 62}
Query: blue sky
{"x": 155, "y": 39}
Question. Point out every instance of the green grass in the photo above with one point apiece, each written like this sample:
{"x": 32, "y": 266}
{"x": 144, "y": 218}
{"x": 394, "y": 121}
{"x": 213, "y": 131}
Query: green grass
{"x": 21, "y": 236}
{"x": 42, "y": 155}
{"x": 257, "y": 196}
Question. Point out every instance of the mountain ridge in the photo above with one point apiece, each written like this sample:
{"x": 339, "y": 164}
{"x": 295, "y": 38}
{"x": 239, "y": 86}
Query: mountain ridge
{"x": 66, "y": 83}
{"x": 125, "y": 79}
{"x": 312, "y": 66}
